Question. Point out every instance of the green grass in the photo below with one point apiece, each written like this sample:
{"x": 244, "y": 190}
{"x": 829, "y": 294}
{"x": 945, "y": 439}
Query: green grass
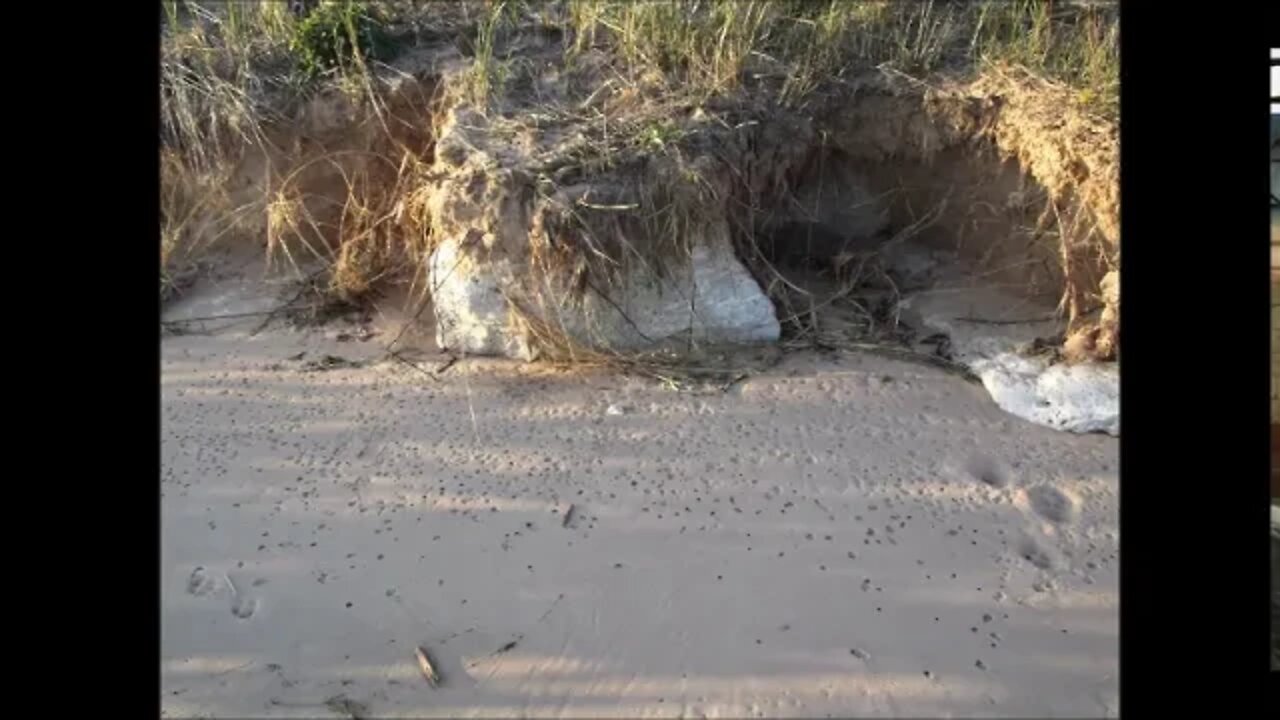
{"x": 1078, "y": 47}
{"x": 708, "y": 46}
{"x": 335, "y": 36}
{"x": 222, "y": 69}
{"x": 489, "y": 72}
{"x": 229, "y": 68}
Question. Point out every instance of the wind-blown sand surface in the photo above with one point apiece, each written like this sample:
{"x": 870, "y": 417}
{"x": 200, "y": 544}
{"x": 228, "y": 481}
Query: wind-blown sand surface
{"x": 843, "y": 536}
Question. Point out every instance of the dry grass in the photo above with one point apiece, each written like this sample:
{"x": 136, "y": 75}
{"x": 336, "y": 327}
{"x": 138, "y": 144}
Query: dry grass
{"x": 712, "y": 46}
{"x": 224, "y": 74}
{"x": 196, "y": 212}
{"x": 228, "y": 79}
{"x": 489, "y": 70}
{"x": 223, "y": 70}
{"x": 370, "y": 229}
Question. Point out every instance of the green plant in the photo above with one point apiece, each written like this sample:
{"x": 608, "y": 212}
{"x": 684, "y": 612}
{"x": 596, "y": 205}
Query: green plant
{"x": 335, "y": 34}
{"x": 1078, "y": 46}
{"x": 707, "y": 46}
{"x": 490, "y": 71}
{"x": 658, "y": 135}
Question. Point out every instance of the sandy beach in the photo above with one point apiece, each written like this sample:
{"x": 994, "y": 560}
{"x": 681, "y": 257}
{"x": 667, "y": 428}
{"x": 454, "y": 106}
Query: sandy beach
{"x": 842, "y": 535}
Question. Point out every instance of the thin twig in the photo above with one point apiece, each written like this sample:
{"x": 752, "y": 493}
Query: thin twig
{"x": 553, "y": 607}
{"x": 413, "y": 365}
{"x": 475, "y": 429}
{"x": 621, "y": 312}
{"x": 426, "y": 300}
{"x": 306, "y": 285}
{"x": 912, "y": 356}
{"x": 1023, "y": 321}
{"x": 448, "y": 364}
{"x": 227, "y": 316}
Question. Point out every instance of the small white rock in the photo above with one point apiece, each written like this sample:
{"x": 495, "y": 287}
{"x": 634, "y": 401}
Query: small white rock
{"x": 613, "y": 410}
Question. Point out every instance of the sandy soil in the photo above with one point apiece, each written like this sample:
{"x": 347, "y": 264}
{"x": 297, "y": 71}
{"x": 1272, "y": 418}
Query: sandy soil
{"x": 840, "y": 536}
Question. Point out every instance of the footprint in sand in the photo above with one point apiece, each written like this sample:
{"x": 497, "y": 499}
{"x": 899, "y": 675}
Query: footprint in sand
{"x": 1051, "y": 503}
{"x": 244, "y": 606}
{"x": 989, "y": 471}
{"x": 200, "y": 583}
